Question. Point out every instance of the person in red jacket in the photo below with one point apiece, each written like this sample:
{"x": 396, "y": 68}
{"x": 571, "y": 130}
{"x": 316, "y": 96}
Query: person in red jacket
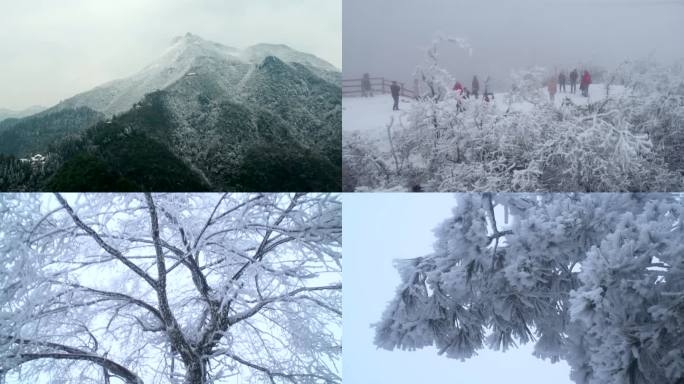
{"x": 458, "y": 87}
{"x": 584, "y": 84}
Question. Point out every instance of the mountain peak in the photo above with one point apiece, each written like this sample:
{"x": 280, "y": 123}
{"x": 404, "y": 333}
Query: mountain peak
{"x": 190, "y": 54}
{"x": 185, "y": 49}
{"x": 187, "y": 38}
{"x": 258, "y": 52}
{"x": 272, "y": 62}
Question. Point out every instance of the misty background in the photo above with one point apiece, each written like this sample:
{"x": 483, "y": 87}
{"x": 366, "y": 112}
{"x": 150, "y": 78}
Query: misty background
{"x": 52, "y": 50}
{"x": 388, "y": 38}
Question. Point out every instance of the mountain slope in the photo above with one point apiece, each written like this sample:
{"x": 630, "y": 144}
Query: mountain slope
{"x": 119, "y": 159}
{"x": 33, "y": 134}
{"x": 186, "y": 54}
{"x": 216, "y": 117}
{"x": 231, "y": 146}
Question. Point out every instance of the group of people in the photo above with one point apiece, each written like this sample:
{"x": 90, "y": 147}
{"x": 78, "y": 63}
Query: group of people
{"x": 487, "y": 95}
{"x": 559, "y": 85}
{"x": 395, "y": 90}
{"x": 554, "y": 85}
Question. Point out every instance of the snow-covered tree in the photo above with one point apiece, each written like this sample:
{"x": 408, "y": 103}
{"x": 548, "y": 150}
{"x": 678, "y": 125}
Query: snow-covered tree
{"x": 628, "y": 141}
{"x": 170, "y": 288}
{"x": 593, "y": 279}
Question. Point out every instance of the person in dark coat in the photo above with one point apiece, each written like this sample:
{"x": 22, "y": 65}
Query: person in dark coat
{"x": 476, "y": 87}
{"x": 584, "y": 85}
{"x": 394, "y": 89}
{"x": 458, "y": 87}
{"x": 573, "y": 81}
{"x": 561, "y": 82}
{"x": 488, "y": 90}
{"x": 366, "y": 89}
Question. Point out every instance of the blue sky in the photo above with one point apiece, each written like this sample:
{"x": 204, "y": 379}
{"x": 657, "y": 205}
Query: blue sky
{"x": 379, "y": 228}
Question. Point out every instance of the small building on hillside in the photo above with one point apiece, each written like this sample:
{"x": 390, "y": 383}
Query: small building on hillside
{"x": 37, "y": 158}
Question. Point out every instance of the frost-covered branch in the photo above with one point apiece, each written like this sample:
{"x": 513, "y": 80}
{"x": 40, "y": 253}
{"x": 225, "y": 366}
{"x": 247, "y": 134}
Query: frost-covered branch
{"x": 593, "y": 279}
{"x": 254, "y": 310}
{"x": 47, "y": 350}
{"x": 125, "y": 278}
{"x": 108, "y": 248}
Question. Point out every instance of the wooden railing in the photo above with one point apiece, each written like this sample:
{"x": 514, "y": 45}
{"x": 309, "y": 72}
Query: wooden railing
{"x": 379, "y": 85}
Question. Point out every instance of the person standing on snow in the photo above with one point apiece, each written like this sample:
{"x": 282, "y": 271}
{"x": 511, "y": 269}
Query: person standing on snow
{"x": 476, "y": 87}
{"x": 552, "y": 88}
{"x": 561, "y": 82}
{"x": 573, "y": 81}
{"x": 488, "y": 91}
{"x": 584, "y": 85}
{"x": 458, "y": 88}
{"x": 366, "y": 86}
{"x": 394, "y": 89}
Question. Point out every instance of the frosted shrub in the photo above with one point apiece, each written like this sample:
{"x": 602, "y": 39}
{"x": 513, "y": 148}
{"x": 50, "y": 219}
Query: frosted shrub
{"x": 631, "y": 141}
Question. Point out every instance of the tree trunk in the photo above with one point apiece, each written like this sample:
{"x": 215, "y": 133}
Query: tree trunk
{"x": 194, "y": 373}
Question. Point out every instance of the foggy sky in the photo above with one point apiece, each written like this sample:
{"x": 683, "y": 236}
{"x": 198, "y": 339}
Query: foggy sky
{"x": 387, "y": 38}
{"x": 51, "y": 50}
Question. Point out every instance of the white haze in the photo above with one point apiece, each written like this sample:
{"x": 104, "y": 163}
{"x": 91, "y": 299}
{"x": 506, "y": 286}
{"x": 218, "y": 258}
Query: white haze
{"x": 387, "y": 38}
{"x": 51, "y": 50}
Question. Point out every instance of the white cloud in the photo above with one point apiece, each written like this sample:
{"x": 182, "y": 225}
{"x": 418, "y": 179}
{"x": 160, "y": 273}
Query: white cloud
{"x": 52, "y": 50}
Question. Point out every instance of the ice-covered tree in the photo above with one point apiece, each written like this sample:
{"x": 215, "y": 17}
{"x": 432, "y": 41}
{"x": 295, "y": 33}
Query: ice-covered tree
{"x": 593, "y": 279}
{"x": 170, "y": 288}
{"x": 629, "y": 141}
{"x": 655, "y": 104}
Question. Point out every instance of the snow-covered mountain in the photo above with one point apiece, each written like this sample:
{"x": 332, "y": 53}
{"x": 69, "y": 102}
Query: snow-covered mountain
{"x": 188, "y": 54}
{"x": 201, "y": 116}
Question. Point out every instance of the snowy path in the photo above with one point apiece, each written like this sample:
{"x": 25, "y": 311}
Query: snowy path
{"x": 370, "y": 116}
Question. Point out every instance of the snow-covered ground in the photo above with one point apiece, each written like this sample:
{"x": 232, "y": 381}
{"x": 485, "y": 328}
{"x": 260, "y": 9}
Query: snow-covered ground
{"x": 369, "y": 116}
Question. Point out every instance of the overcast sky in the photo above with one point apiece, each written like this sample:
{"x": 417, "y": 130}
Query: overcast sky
{"x": 381, "y": 227}
{"x": 387, "y": 37}
{"x": 51, "y": 50}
